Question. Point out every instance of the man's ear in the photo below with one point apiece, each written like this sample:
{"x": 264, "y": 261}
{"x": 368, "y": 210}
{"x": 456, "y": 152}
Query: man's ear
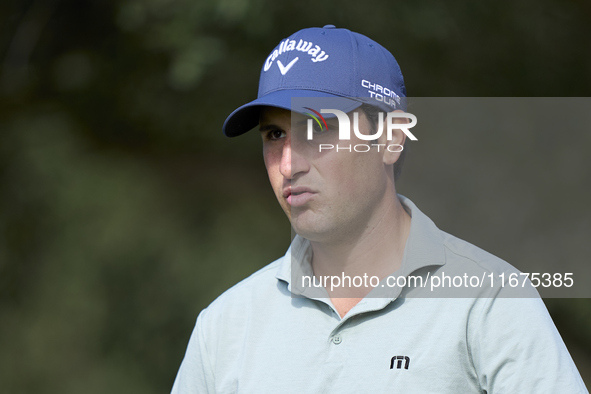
{"x": 393, "y": 147}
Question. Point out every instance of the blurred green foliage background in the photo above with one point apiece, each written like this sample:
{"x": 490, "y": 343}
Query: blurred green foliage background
{"x": 123, "y": 209}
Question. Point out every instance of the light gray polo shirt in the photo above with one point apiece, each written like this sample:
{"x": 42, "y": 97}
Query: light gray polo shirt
{"x": 258, "y": 338}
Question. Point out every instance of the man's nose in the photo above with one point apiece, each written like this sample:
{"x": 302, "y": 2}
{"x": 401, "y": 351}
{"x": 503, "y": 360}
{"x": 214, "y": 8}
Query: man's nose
{"x": 293, "y": 161}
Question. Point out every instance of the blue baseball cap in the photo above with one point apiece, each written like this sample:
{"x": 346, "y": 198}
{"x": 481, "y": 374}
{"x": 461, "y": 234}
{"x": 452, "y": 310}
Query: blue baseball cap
{"x": 341, "y": 66}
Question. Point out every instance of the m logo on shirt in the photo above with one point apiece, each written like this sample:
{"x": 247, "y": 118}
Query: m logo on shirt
{"x": 399, "y": 360}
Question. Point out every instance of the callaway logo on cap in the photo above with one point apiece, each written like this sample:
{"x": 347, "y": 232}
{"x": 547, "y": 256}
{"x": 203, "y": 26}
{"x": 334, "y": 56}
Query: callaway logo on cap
{"x": 325, "y": 63}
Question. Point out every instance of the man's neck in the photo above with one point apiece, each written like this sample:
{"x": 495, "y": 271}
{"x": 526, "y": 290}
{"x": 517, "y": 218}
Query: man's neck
{"x": 376, "y": 250}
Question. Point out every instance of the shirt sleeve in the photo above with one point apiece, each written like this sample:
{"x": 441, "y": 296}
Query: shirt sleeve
{"x": 516, "y": 348}
{"x": 195, "y": 374}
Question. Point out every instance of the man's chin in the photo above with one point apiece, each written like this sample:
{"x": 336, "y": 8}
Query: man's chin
{"x": 313, "y": 231}
{"x": 294, "y": 213}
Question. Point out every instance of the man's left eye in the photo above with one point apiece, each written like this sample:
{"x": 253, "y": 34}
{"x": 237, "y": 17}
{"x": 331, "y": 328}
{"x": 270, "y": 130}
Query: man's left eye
{"x": 318, "y": 128}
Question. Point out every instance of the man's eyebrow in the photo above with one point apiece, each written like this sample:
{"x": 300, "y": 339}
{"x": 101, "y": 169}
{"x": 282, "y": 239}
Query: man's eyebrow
{"x": 271, "y": 126}
{"x": 268, "y": 127}
{"x": 301, "y": 121}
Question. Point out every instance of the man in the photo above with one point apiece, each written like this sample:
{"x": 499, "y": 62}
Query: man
{"x": 281, "y": 331}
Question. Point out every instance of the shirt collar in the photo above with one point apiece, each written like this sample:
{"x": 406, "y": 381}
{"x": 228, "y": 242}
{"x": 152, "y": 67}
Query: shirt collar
{"x": 424, "y": 247}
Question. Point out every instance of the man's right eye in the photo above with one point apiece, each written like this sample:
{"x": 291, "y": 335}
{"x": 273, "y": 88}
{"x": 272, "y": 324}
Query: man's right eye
{"x": 275, "y": 134}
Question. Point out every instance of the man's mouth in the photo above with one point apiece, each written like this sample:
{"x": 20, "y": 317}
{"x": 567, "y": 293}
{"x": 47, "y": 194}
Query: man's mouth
{"x": 299, "y": 195}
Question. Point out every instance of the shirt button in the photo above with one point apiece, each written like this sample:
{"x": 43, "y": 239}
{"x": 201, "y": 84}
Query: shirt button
{"x": 337, "y": 339}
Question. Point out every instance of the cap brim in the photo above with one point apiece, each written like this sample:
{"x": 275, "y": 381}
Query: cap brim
{"x": 246, "y": 117}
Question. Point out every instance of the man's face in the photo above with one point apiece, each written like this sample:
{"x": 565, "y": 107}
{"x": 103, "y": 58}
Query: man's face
{"x": 330, "y": 195}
